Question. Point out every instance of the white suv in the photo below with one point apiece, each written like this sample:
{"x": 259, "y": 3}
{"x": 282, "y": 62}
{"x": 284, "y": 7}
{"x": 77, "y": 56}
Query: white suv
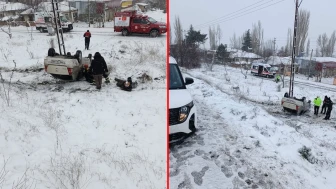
{"x": 182, "y": 110}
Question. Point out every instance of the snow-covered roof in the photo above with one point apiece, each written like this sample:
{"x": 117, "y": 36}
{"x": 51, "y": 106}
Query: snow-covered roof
{"x": 62, "y": 6}
{"x": 243, "y": 54}
{"x": 142, "y": 4}
{"x": 277, "y": 60}
{"x": 6, "y": 18}
{"x": 12, "y": 6}
{"x": 28, "y": 11}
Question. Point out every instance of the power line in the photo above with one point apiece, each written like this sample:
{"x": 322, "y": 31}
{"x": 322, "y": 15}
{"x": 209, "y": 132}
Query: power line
{"x": 229, "y": 14}
{"x": 238, "y": 16}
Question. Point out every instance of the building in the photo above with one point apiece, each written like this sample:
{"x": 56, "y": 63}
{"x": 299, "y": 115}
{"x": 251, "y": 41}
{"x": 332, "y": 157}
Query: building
{"x": 242, "y": 57}
{"x": 71, "y": 13}
{"x": 100, "y": 10}
{"x": 323, "y": 66}
{"x": 11, "y": 11}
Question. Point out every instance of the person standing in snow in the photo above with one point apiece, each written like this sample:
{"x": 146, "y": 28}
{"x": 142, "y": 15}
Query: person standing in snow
{"x": 277, "y": 78}
{"x": 329, "y": 104}
{"x": 97, "y": 68}
{"x": 317, "y": 104}
{"x": 324, "y": 105}
{"x": 87, "y": 36}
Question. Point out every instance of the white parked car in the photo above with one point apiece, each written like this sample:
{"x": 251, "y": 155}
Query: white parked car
{"x": 182, "y": 110}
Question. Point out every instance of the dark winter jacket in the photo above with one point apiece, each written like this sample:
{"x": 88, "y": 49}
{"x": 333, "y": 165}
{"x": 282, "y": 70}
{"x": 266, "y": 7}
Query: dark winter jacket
{"x": 123, "y": 85}
{"x": 329, "y": 103}
{"x": 98, "y": 65}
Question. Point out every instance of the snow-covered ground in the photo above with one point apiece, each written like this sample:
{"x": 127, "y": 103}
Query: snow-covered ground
{"x": 245, "y": 140}
{"x": 57, "y": 134}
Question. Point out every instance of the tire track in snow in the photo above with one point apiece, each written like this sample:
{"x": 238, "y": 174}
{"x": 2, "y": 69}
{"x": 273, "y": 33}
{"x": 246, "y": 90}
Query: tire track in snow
{"x": 215, "y": 147}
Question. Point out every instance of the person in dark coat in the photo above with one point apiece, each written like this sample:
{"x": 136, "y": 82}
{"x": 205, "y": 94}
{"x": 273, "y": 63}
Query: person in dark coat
{"x": 97, "y": 68}
{"x": 329, "y": 108}
{"x": 324, "y": 106}
{"x": 124, "y": 85}
{"x": 87, "y": 36}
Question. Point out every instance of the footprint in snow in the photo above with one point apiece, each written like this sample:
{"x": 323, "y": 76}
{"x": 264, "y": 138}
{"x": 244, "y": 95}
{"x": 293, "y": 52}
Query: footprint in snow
{"x": 186, "y": 183}
{"x": 198, "y": 176}
{"x": 227, "y": 171}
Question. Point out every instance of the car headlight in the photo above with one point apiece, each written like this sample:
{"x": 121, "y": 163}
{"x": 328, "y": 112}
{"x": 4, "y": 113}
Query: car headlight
{"x": 162, "y": 26}
{"x": 184, "y": 111}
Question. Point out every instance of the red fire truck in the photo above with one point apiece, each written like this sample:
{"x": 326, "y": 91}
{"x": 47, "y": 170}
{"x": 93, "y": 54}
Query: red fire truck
{"x": 129, "y": 22}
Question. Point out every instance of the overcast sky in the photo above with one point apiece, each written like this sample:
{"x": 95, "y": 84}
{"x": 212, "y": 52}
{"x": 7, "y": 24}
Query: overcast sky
{"x": 275, "y": 19}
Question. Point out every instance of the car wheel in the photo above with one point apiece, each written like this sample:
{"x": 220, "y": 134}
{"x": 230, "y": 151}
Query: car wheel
{"x": 78, "y": 56}
{"x": 51, "y": 52}
{"x": 41, "y": 30}
{"x": 124, "y": 32}
{"x": 154, "y": 33}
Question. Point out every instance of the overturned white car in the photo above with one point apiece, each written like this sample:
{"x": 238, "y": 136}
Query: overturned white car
{"x": 65, "y": 66}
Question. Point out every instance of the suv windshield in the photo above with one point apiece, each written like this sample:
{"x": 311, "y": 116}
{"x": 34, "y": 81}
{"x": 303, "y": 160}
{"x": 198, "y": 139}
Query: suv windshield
{"x": 152, "y": 20}
{"x": 175, "y": 79}
{"x": 63, "y": 19}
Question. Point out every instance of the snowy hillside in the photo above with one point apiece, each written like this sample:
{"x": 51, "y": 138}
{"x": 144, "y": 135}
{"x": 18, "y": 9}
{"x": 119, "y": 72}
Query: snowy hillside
{"x": 245, "y": 140}
{"x": 58, "y": 134}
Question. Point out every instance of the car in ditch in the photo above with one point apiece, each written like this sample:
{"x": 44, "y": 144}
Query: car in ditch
{"x": 67, "y": 67}
{"x": 295, "y": 105}
{"x": 182, "y": 110}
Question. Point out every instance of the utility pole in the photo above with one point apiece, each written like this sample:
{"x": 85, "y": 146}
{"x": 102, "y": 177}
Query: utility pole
{"x": 58, "y": 26}
{"x": 89, "y": 11}
{"x": 274, "y": 50}
{"x": 311, "y": 54}
{"x": 291, "y": 81}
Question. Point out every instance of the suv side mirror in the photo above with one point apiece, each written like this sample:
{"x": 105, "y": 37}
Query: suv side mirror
{"x": 188, "y": 81}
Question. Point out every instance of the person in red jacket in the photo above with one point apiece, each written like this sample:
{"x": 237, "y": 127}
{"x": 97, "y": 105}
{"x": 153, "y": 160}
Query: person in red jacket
{"x": 87, "y": 36}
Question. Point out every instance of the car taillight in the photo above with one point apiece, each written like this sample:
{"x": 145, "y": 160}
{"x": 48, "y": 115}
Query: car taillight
{"x": 282, "y": 102}
{"x": 45, "y": 68}
{"x": 70, "y": 71}
{"x": 297, "y": 107}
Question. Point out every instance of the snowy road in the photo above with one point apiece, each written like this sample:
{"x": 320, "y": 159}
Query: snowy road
{"x": 242, "y": 144}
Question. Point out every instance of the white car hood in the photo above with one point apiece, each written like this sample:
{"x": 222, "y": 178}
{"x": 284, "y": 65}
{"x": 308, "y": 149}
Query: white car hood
{"x": 179, "y": 98}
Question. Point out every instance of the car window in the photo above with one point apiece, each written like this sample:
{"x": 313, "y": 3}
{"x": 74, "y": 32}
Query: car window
{"x": 144, "y": 21}
{"x": 137, "y": 20}
{"x": 176, "y": 81}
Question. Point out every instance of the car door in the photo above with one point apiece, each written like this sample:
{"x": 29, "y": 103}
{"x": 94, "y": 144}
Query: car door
{"x": 145, "y": 26}
{"x": 136, "y": 23}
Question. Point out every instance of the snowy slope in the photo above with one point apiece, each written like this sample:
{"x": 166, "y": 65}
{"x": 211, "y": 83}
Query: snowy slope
{"x": 60, "y": 134}
{"x": 244, "y": 140}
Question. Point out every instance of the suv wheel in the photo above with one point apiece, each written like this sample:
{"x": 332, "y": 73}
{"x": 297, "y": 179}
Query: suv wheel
{"x": 154, "y": 33}
{"x": 124, "y": 32}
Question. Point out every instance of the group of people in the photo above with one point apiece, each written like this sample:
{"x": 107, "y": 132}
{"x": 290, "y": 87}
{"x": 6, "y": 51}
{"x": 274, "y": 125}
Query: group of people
{"x": 326, "y": 106}
{"x": 98, "y": 69}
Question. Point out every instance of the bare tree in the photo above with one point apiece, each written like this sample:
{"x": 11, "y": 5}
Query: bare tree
{"x": 6, "y": 89}
{"x": 331, "y": 45}
{"x": 289, "y": 46}
{"x": 308, "y": 47}
{"x": 317, "y": 52}
{"x": 257, "y": 36}
{"x": 234, "y": 42}
{"x": 213, "y": 38}
{"x": 218, "y": 36}
{"x": 302, "y": 30}
{"x": 268, "y": 49}
{"x": 322, "y": 43}
{"x": 178, "y": 31}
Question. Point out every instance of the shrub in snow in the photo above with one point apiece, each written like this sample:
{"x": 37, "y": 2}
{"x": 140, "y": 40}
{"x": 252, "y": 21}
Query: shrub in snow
{"x": 307, "y": 154}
